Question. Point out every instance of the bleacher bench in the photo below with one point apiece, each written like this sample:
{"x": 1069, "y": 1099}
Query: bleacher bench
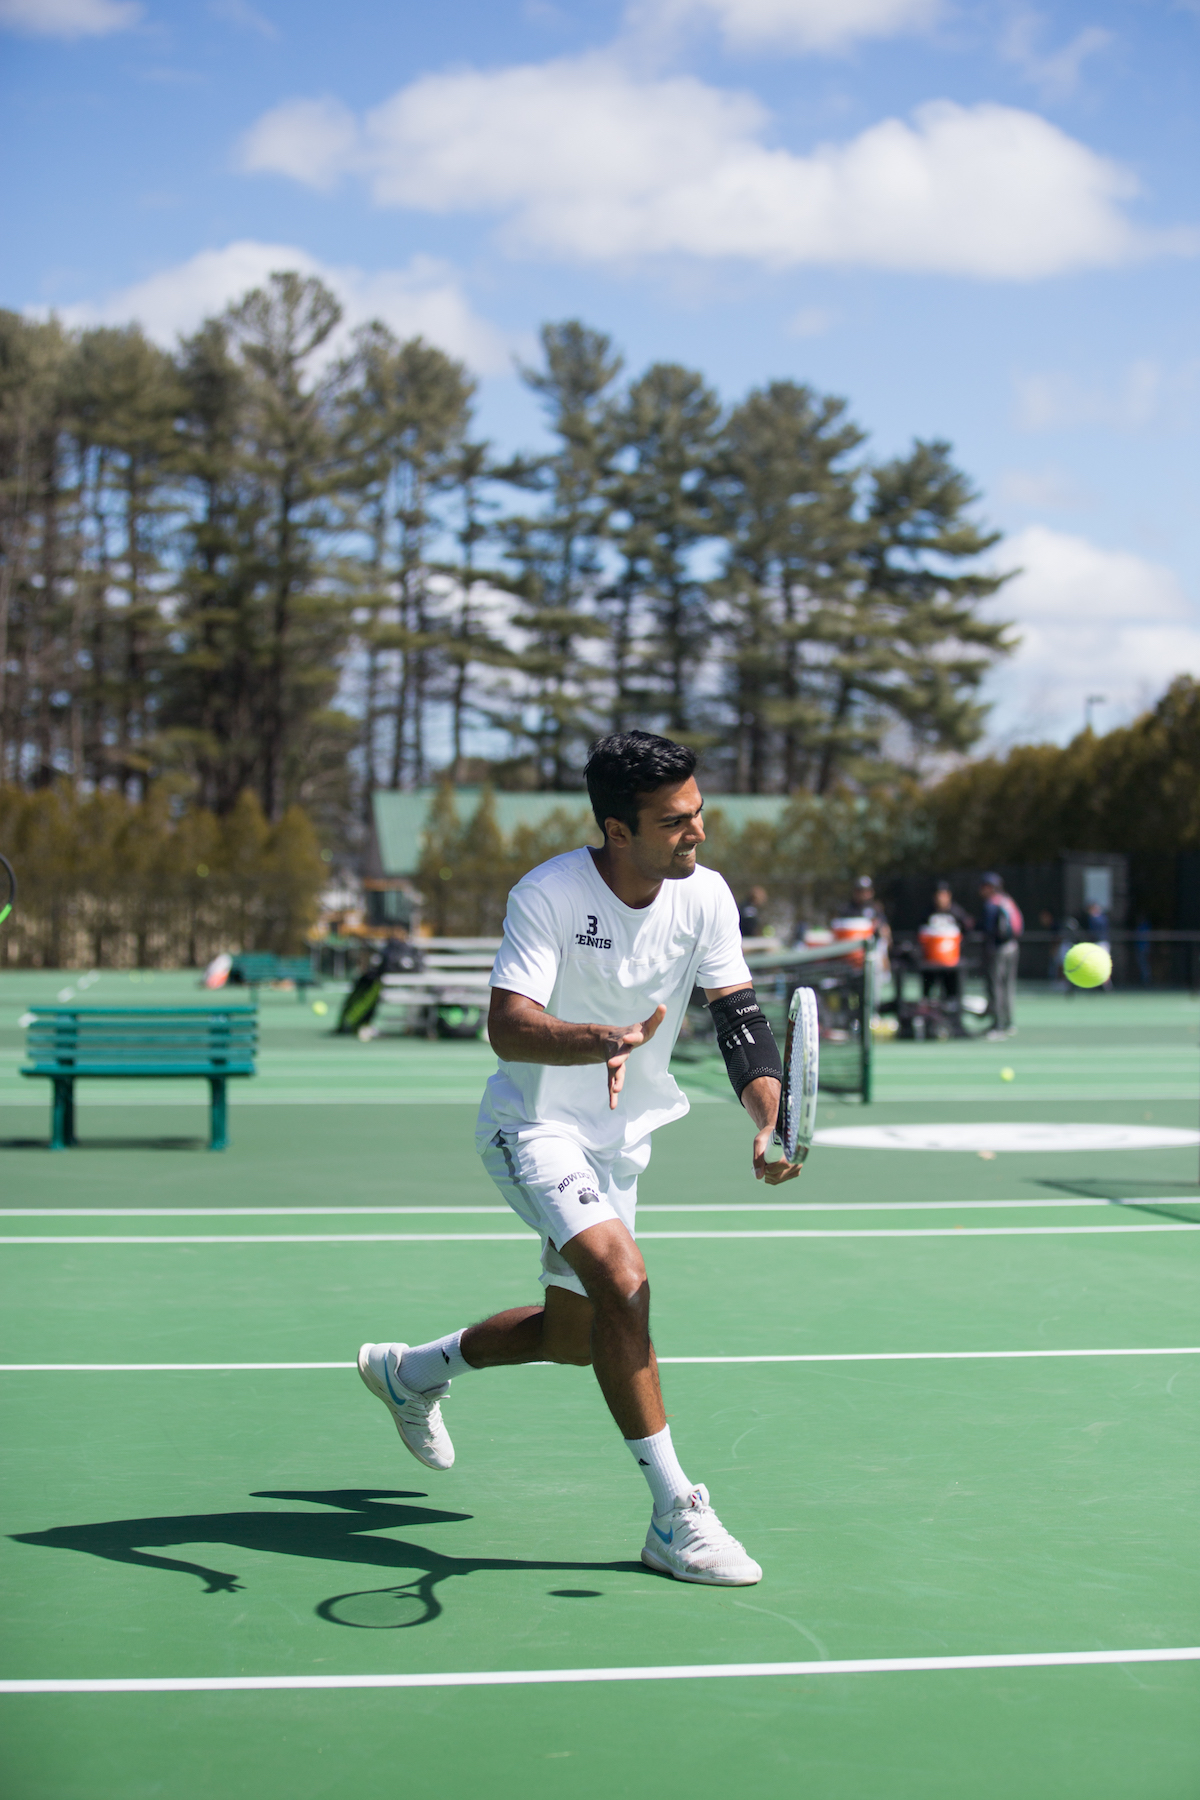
{"x": 128, "y": 1042}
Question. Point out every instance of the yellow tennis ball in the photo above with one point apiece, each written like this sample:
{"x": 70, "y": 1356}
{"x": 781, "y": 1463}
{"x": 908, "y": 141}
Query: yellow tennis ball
{"x": 320, "y": 1008}
{"x": 1008, "y": 1074}
{"x": 1087, "y": 965}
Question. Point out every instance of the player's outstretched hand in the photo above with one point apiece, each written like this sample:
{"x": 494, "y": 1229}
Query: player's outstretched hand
{"x": 629, "y": 1040}
{"x": 771, "y": 1172}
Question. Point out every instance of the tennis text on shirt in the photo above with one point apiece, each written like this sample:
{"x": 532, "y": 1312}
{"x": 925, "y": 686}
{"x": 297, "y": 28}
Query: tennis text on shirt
{"x": 746, "y": 1040}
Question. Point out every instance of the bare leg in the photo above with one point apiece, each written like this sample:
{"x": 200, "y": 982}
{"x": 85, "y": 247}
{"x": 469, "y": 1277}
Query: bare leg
{"x": 610, "y": 1329}
{"x": 610, "y": 1266}
{"x": 559, "y": 1332}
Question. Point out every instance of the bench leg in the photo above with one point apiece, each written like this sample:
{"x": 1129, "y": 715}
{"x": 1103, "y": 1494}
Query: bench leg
{"x": 62, "y": 1113}
{"x": 218, "y": 1136}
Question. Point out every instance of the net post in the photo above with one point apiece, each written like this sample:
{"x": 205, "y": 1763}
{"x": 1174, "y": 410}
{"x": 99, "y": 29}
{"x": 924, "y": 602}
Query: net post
{"x": 868, "y": 1013}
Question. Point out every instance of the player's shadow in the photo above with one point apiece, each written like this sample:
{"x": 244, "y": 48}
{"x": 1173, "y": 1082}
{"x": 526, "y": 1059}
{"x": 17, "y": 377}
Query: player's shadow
{"x": 346, "y": 1535}
{"x": 1134, "y": 1196}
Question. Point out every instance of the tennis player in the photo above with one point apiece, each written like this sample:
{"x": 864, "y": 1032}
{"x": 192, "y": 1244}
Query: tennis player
{"x": 593, "y": 940}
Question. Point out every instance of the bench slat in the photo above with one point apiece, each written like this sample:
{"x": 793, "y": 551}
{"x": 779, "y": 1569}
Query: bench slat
{"x": 141, "y": 1068}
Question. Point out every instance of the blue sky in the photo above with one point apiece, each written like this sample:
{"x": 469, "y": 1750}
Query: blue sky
{"x": 977, "y": 222}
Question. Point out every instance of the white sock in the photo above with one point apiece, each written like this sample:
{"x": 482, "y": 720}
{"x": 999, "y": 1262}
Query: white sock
{"x": 655, "y": 1457}
{"x": 428, "y": 1366}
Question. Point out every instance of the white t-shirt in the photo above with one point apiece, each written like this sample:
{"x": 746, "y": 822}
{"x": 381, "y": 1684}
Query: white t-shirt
{"x": 572, "y": 946}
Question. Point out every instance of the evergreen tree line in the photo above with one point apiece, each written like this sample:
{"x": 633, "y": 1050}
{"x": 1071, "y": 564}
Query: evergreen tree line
{"x": 106, "y": 882}
{"x": 1135, "y": 791}
{"x": 807, "y": 860}
{"x": 280, "y": 561}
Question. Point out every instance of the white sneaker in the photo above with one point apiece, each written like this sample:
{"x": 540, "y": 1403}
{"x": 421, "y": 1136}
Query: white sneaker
{"x": 418, "y": 1416}
{"x": 690, "y": 1543}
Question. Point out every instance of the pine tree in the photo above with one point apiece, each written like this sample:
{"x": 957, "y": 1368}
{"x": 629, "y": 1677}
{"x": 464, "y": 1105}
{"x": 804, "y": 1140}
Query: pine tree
{"x": 908, "y": 646}
{"x": 124, "y": 398}
{"x": 407, "y": 415}
{"x": 785, "y": 497}
{"x": 212, "y": 707}
{"x": 555, "y": 553}
{"x": 263, "y": 623}
{"x": 467, "y": 642}
{"x": 662, "y": 440}
{"x": 36, "y": 511}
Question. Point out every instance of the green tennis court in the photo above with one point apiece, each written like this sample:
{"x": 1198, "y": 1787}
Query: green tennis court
{"x": 949, "y": 1400}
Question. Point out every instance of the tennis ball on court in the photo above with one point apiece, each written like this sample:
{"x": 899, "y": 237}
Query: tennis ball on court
{"x": 320, "y": 1008}
{"x": 1008, "y": 1074}
{"x": 1087, "y": 965}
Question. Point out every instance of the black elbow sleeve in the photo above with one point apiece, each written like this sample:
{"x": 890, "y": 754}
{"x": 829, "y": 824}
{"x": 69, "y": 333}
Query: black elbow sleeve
{"x": 746, "y": 1039}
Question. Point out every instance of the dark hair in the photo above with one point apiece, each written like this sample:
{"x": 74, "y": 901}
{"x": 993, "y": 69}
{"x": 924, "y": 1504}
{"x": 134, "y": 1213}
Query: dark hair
{"x": 628, "y": 764}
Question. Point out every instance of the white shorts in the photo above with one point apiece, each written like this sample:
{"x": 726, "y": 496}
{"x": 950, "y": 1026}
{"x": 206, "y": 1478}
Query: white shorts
{"x": 559, "y": 1189}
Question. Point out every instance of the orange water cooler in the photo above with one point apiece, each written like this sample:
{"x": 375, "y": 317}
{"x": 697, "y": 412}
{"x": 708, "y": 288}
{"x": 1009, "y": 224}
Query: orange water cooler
{"x": 941, "y": 942}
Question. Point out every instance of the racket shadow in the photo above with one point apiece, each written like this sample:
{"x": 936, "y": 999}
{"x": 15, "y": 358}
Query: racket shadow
{"x": 348, "y": 1533}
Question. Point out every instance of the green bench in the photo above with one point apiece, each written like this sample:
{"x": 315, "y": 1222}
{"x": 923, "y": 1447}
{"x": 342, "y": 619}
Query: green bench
{"x": 127, "y": 1042}
{"x": 257, "y": 968}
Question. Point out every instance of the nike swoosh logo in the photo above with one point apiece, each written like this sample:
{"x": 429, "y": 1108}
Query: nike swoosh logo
{"x": 387, "y": 1381}
{"x": 666, "y": 1536}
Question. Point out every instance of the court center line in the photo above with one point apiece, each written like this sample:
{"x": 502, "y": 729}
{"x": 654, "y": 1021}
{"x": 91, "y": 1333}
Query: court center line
{"x": 166, "y": 1239}
{"x": 865, "y": 1665}
{"x": 705, "y": 1206}
{"x": 822, "y": 1356}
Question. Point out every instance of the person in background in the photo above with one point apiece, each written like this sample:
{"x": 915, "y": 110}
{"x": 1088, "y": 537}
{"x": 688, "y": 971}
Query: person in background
{"x": 945, "y": 906}
{"x": 1095, "y": 927}
{"x": 1142, "y": 950}
{"x": 1002, "y": 925}
{"x": 865, "y": 904}
{"x": 752, "y": 918}
{"x": 1095, "y": 923}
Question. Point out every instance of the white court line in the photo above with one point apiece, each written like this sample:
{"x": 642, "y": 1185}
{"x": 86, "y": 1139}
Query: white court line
{"x": 513, "y": 1237}
{"x": 700, "y": 1206}
{"x": 864, "y": 1665}
{"x": 824, "y": 1356}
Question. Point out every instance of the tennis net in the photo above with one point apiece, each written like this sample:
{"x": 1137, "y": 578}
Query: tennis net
{"x": 843, "y": 979}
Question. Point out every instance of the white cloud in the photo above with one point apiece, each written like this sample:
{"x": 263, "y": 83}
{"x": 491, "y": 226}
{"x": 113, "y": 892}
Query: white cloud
{"x": 1056, "y": 73}
{"x": 1145, "y": 394}
{"x": 424, "y": 298}
{"x": 240, "y": 12}
{"x": 69, "y": 18}
{"x": 810, "y": 321}
{"x": 583, "y": 161}
{"x": 1043, "y": 490}
{"x": 1091, "y": 621}
{"x": 314, "y": 141}
{"x": 787, "y": 24}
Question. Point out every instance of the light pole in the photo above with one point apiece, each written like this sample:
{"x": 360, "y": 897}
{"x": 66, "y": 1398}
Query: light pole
{"x": 1092, "y": 700}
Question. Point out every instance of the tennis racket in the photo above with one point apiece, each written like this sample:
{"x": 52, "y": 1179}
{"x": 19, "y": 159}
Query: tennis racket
{"x": 8, "y": 888}
{"x": 798, "y": 1100}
